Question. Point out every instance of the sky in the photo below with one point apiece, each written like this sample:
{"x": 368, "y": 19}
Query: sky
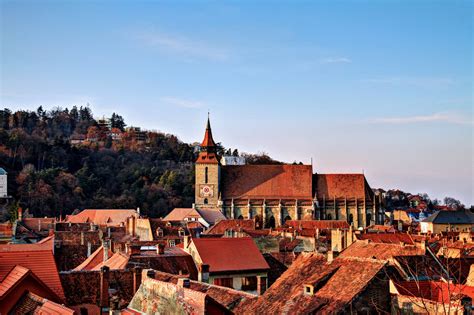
{"x": 380, "y": 87}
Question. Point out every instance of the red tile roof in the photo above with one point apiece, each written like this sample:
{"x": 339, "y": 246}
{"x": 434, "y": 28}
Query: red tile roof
{"x": 179, "y": 214}
{"x": 41, "y": 262}
{"x": 51, "y": 308}
{"x": 234, "y": 225}
{"x": 39, "y": 224}
{"x": 118, "y": 261}
{"x": 208, "y": 147}
{"x": 317, "y": 224}
{"x": 336, "y": 284}
{"x": 383, "y": 251}
{"x": 38, "y": 258}
{"x": 109, "y": 217}
{"x": 392, "y": 238}
{"x": 342, "y": 185}
{"x": 93, "y": 260}
{"x": 230, "y": 254}
{"x": 267, "y": 181}
{"x": 12, "y": 278}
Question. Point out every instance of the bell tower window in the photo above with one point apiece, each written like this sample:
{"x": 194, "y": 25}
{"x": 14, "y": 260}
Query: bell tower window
{"x": 206, "y": 201}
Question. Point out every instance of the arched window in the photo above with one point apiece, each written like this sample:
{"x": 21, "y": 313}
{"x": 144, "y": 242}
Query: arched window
{"x": 206, "y": 201}
{"x": 240, "y": 217}
{"x": 351, "y": 218}
{"x": 205, "y": 175}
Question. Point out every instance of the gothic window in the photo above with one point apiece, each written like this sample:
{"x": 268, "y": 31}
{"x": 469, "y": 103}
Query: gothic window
{"x": 205, "y": 175}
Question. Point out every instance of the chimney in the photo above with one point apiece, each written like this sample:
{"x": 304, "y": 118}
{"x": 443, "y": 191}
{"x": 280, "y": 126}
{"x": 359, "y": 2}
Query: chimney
{"x": 160, "y": 249}
{"x": 203, "y": 274}
{"x": 150, "y": 273}
{"x": 330, "y": 257}
{"x": 104, "y": 286}
{"x": 261, "y": 284}
{"x": 89, "y": 249}
{"x": 20, "y": 214}
{"x": 184, "y": 282}
{"x": 105, "y": 244}
{"x": 82, "y": 238}
{"x": 137, "y": 278}
{"x": 138, "y": 210}
{"x": 186, "y": 241}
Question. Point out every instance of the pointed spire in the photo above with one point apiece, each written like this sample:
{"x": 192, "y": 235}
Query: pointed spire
{"x": 208, "y": 140}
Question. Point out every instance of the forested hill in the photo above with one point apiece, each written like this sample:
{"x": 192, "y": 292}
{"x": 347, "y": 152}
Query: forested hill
{"x": 64, "y": 159}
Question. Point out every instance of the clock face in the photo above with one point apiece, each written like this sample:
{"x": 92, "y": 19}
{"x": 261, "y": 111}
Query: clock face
{"x": 206, "y": 191}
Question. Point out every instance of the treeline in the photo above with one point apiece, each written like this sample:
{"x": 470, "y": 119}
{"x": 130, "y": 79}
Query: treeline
{"x": 49, "y": 176}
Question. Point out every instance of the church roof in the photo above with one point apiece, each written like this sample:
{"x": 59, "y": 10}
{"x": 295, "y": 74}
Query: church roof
{"x": 342, "y": 185}
{"x": 267, "y": 181}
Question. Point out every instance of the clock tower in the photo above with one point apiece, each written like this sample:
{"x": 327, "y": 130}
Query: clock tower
{"x": 207, "y": 173}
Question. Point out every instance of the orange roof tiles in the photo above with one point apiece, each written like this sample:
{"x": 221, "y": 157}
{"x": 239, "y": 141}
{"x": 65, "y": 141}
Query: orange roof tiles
{"x": 393, "y": 238}
{"x": 41, "y": 262}
{"x": 267, "y": 181}
{"x": 208, "y": 141}
{"x": 109, "y": 217}
{"x": 51, "y": 308}
{"x": 117, "y": 261}
{"x": 317, "y": 224}
{"x": 230, "y": 254}
{"x": 93, "y": 260}
{"x": 12, "y": 278}
{"x": 382, "y": 251}
{"x": 335, "y": 286}
{"x": 342, "y": 185}
{"x": 179, "y": 214}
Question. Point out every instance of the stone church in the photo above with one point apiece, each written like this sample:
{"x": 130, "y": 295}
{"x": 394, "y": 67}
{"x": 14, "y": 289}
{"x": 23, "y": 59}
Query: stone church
{"x": 272, "y": 194}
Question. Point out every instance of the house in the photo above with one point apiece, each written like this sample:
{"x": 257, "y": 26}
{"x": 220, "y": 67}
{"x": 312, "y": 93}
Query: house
{"x": 431, "y": 297}
{"x": 103, "y": 217}
{"x": 28, "y": 268}
{"x": 442, "y": 221}
{"x": 229, "y": 227}
{"x": 313, "y": 286}
{"x": 206, "y": 217}
{"x": 231, "y": 262}
{"x": 31, "y": 303}
{"x": 164, "y": 293}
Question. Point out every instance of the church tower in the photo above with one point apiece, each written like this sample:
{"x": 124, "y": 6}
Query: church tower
{"x": 207, "y": 173}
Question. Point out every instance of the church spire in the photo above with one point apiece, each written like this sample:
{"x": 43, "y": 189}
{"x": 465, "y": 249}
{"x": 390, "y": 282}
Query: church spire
{"x": 208, "y": 142}
{"x": 208, "y": 152}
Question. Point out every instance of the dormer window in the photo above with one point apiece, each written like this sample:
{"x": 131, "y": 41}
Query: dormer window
{"x": 308, "y": 289}
{"x": 181, "y": 232}
{"x": 159, "y": 232}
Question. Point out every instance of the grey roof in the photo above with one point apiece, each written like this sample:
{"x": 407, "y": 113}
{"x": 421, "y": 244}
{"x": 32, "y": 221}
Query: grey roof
{"x": 2, "y": 171}
{"x": 451, "y": 217}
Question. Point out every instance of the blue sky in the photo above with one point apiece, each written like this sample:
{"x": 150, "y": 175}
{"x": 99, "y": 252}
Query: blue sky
{"x": 380, "y": 86}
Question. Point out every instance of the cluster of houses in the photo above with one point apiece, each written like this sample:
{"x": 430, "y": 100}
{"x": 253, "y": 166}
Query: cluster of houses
{"x": 198, "y": 262}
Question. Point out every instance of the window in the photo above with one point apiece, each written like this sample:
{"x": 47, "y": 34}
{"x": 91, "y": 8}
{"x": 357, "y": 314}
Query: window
{"x": 205, "y": 175}
{"x": 206, "y": 201}
{"x": 171, "y": 243}
{"x": 181, "y": 232}
{"x": 159, "y": 232}
{"x": 249, "y": 283}
{"x": 224, "y": 282}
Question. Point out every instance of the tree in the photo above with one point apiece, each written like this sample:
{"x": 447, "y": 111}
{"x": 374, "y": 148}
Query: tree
{"x": 452, "y": 203}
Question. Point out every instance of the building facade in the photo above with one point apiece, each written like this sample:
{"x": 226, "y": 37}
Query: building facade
{"x": 272, "y": 194}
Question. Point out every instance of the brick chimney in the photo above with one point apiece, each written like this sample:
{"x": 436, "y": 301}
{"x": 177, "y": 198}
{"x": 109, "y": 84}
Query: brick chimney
{"x": 184, "y": 282}
{"x": 160, "y": 249}
{"x": 105, "y": 244}
{"x": 203, "y": 273}
{"x": 137, "y": 278}
{"x": 20, "y": 214}
{"x": 261, "y": 284}
{"x": 104, "y": 286}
